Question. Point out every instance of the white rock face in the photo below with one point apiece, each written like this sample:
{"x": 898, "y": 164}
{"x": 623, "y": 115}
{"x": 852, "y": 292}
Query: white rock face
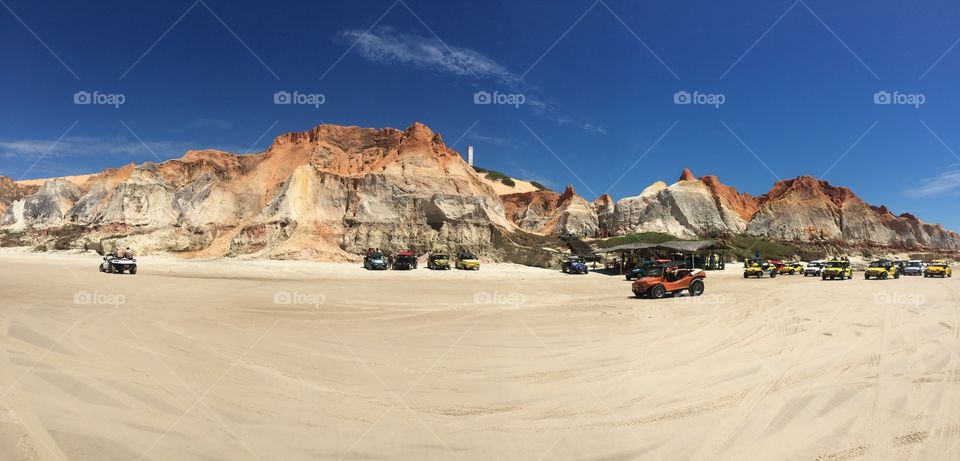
{"x": 328, "y": 193}
{"x": 47, "y": 208}
{"x": 802, "y": 209}
{"x": 686, "y": 208}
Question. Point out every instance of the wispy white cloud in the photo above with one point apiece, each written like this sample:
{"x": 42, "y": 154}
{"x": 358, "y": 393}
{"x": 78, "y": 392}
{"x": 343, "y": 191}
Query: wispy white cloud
{"x": 494, "y": 140}
{"x": 209, "y": 124}
{"x": 582, "y": 125}
{"x": 947, "y": 182}
{"x": 387, "y": 46}
{"x": 88, "y": 146}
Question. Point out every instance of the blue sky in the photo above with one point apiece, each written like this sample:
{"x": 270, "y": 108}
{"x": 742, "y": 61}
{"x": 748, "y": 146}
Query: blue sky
{"x": 597, "y": 82}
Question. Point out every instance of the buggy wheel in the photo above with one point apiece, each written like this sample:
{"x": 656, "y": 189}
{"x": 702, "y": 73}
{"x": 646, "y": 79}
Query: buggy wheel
{"x": 696, "y": 288}
{"x": 657, "y": 292}
{"x": 133, "y": 270}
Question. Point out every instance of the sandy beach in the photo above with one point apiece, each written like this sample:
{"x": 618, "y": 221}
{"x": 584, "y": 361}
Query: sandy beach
{"x": 282, "y": 360}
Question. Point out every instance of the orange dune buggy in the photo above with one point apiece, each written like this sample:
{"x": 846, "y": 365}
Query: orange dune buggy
{"x": 663, "y": 279}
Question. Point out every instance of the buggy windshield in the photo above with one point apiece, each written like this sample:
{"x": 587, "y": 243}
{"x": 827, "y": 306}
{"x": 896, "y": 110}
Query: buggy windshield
{"x": 654, "y": 271}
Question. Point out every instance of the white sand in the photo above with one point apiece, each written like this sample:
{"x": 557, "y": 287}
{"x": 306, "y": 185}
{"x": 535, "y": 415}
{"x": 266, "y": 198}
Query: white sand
{"x": 500, "y": 188}
{"x": 199, "y": 363}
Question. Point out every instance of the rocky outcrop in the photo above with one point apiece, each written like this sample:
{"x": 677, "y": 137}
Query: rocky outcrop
{"x": 807, "y": 209}
{"x": 330, "y": 192}
{"x": 689, "y": 207}
{"x": 604, "y": 207}
{"x": 548, "y": 213}
{"x": 9, "y": 193}
{"x": 803, "y": 209}
{"x": 326, "y": 193}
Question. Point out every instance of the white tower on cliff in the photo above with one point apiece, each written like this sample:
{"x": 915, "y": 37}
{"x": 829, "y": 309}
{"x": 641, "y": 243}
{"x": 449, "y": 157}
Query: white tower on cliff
{"x": 470, "y": 155}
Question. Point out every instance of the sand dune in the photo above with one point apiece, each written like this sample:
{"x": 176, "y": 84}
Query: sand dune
{"x": 207, "y": 360}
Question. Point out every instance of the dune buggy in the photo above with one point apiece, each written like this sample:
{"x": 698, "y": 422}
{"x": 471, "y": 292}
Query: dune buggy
{"x": 663, "y": 279}
{"x": 882, "y": 270}
{"x": 405, "y": 260}
{"x": 638, "y": 271}
{"x": 118, "y": 265}
{"x": 938, "y": 268}
{"x": 573, "y": 265}
{"x": 914, "y": 267}
{"x": 757, "y": 268}
{"x": 837, "y": 269}
{"x": 467, "y": 261}
{"x": 790, "y": 268}
{"x": 375, "y": 262}
{"x": 814, "y": 268}
{"x": 438, "y": 261}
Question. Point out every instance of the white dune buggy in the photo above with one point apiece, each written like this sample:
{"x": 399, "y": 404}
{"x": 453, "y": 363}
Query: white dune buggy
{"x": 115, "y": 265}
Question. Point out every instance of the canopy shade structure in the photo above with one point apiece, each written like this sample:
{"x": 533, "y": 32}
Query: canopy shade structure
{"x": 706, "y": 254}
{"x": 674, "y": 245}
{"x": 628, "y": 247}
{"x": 694, "y": 245}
